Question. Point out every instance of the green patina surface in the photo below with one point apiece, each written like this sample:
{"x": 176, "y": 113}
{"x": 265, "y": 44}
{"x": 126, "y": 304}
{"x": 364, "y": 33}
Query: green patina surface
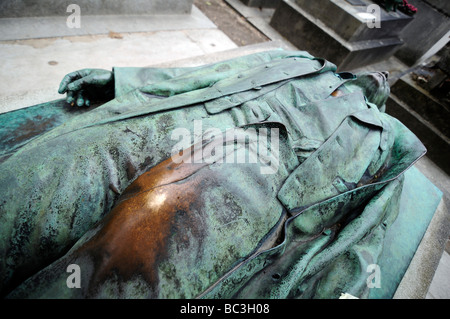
{"x": 418, "y": 202}
{"x": 340, "y": 199}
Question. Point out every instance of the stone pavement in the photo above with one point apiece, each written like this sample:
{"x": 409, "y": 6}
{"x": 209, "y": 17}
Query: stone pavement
{"x": 34, "y": 65}
{"x": 35, "y": 57}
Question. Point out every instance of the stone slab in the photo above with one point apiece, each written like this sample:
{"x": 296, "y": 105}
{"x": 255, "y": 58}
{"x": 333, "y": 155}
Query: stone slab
{"x": 420, "y": 277}
{"x": 250, "y": 11}
{"x": 418, "y": 99}
{"x": 429, "y": 27}
{"x": 437, "y": 145}
{"x": 444, "y": 60}
{"x": 260, "y": 19}
{"x": 35, "y": 81}
{"x": 441, "y": 5}
{"x": 34, "y": 67}
{"x": 225, "y": 55}
{"x": 310, "y": 34}
{"x": 41, "y": 8}
{"x": 56, "y": 26}
{"x": 350, "y": 21}
{"x": 441, "y": 290}
{"x": 261, "y": 3}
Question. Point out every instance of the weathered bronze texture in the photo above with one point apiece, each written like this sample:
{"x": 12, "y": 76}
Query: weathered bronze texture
{"x": 103, "y": 189}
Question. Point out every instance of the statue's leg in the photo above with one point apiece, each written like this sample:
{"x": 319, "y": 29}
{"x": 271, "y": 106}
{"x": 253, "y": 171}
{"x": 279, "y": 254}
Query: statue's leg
{"x": 55, "y": 189}
{"x": 52, "y": 194}
{"x": 174, "y": 232}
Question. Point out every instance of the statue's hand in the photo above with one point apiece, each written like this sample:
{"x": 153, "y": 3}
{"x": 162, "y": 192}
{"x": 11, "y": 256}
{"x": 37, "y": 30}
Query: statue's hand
{"x": 86, "y": 85}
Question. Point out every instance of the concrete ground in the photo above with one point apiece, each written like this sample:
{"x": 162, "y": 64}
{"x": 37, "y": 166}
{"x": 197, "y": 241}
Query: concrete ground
{"x": 33, "y": 67}
{"x": 36, "y": 56}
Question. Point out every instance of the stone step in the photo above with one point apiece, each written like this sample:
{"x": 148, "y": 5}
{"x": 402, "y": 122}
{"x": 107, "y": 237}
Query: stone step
{"x": 261, "y": 3}
{"x": 421, "y": 102}
{"x": 441, "y": 5}
{"x": 438, "y": 145}
{"x": 350, "y": 21}
{"x": 313, "y": 35}
{"x": 39, "y": 8}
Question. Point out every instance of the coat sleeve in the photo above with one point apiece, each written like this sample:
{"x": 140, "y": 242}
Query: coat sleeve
{"x": 171, "y": 81}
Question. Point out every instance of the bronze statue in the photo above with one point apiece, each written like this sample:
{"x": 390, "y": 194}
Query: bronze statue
{"x": 113, "y": 192}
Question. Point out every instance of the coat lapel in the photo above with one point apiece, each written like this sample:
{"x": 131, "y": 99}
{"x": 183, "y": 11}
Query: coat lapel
{"x": 338, "y": 165}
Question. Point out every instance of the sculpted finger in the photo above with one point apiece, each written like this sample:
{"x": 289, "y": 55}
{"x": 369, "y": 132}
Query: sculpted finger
{"x": 72, "y": 77}
{"x": 79, "y": 84}
{"x": 67, "y": 80}
{"x": 80, "y": 98}
{"x": 70, "y": 97}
